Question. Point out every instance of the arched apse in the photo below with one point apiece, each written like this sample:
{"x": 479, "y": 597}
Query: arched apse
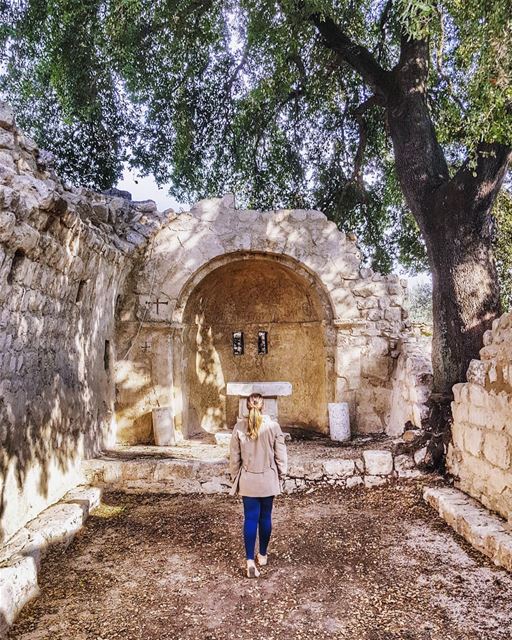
{"x": 256, "y": 295}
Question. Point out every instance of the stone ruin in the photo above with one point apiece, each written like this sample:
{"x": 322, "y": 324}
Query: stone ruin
{"x": 111, "y": 309}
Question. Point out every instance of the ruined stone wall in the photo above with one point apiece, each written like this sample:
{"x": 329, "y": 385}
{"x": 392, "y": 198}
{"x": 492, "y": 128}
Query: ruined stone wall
{"x": 411, "y": 385}
{"x": 63, "y": 258}
{"x": 480, "y": 454}
{"x": 361, "y": 321}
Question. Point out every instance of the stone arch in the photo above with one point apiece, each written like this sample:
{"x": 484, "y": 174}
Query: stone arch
{"x": 362, "y": 312}
{"x": 328, "y": 307}
{"x": 253, "y": 292}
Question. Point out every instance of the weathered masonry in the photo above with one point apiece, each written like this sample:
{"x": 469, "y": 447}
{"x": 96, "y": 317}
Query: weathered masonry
{"x": 109, "y": 309}
{"x": 225, "y": 295}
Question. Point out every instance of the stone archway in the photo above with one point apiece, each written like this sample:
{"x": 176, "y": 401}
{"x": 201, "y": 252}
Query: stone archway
{"x": 251, "y": 294}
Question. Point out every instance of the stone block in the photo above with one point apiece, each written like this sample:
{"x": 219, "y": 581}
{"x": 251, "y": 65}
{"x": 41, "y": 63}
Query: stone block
{"x": 473, "y": 440}
{"x": 267, "y": 389}
{"x": 59, "y": 523}
{"x": 289, "y": 485}
{"x": 18, "y": 586}
{"x": 6, "y": 115}
{"x": 353, "y": 481}
{"x": 479, "y": 416}
{"x": 403, "y": 463}
{"x": 378, "y": 463}
{"x": 88, "y": 497}
{"x": 497, "y": 449}
{"x": 223, "y": 437}
{"x": 339, "y": 421}
{"x": 163, "y": 426}
{"x": 477, "y": 372}
{"x": 374, "y": 481}
{"x": 339, "y": 468}
{"x": 212, "y": 487}
{"x": 477, "y": 395}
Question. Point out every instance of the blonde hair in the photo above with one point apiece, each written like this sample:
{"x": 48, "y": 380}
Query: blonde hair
{"x": 254, "y": 420}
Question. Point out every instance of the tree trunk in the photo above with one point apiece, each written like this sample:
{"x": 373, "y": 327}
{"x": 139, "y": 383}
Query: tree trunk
{"x": 465, "y": 295}
{"x": 455, "y": 220}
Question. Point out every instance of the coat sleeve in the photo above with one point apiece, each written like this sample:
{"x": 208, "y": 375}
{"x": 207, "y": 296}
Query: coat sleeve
{"x": 280, "y": 453}
{"x": 235, "y": 456}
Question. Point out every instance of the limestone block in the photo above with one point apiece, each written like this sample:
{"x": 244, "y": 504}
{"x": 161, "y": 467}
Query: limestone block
{"x": 366, "y": 289}
{"x": 184, "y": 486}
{"x": 339, "y": 468}
{"x": 368, "y": 421}
{"x": 497, "y": 448}
{"x": 348, "y": 360}
{"x": 7, "y": 223}
{"x": 473, "y": 440}
{"x": 420, "y": 455}
{"x": 393, "y": 314}
{"x": 339, "y": 421}
{"x": 211, "y": 487}
{"x": 403, "y": 463}
{"x": 18, "y": 586}
{"x": 477, "y": 372}
{"x": 88, "y": 497}
{"x": 354, "y": 481}
{"x": 374, "y": 481}
{"x": 6, "y": 115}
{"x": 378, "y": 367}
{"x": 457, "y": 390}
{"x": 289, "y": 485}
{"x": 59, "y": 523}
{"x": 267, "y": 389}
{"x": 25, "y": 237}
{"x": 223, "y": 437}
{"x": 378, "y": 462}
{"x": 163, "y": 426}
{"x": 138, "y": 470}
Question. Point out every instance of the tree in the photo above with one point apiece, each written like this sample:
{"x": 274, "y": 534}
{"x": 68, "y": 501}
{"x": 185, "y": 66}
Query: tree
{"x": 392, "y": 116}
{"x": 420, "y": 303}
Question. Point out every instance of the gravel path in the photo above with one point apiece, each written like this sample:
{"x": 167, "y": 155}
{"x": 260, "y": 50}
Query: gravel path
{"x": 351, "y": 564}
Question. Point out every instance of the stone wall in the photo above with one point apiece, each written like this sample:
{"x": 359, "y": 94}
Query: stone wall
{"x": 172, "y": 349}
{"x": 480, "y": 455}
{"x": 63, "y": 259}
{"x": 411, "y": 385}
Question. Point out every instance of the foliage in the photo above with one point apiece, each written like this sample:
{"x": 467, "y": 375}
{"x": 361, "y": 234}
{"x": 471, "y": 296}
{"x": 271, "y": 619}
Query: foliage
{"x": 420, "y": 303}
{"x": 242, "y": 95}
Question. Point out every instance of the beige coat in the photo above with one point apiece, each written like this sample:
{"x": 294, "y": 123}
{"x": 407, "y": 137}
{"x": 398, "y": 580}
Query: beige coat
{"x": 257, "y": 465}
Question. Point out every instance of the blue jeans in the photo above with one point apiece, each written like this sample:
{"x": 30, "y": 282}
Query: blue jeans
{"x": 257, "y": 516}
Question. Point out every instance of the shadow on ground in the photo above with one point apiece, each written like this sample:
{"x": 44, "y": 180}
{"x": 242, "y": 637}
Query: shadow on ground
{"x": 350, "y": 564}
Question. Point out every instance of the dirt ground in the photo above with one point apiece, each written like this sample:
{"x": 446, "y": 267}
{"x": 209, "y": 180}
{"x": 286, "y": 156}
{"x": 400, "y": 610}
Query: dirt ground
{"x": 351, "y": 564}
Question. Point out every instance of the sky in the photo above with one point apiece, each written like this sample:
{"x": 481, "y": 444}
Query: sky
{"x": 146, "y": 189}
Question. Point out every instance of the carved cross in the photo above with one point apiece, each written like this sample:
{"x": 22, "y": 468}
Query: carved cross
{"x": 158, "y": 302}
{"x": 146, "y": 347}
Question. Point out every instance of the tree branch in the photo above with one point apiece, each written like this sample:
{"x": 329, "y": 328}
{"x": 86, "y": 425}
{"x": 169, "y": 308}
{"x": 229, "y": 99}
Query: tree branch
{"x": 480, "y": 185}
{"x": 358, "y": 114}
{"x": 359, "y": 58}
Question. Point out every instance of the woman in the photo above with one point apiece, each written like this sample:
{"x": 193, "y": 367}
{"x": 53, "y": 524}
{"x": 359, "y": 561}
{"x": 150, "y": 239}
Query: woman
{"x": 257, "y": 461}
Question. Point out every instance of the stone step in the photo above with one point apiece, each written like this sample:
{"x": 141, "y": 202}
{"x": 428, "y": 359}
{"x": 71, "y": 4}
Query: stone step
{"x": 486, "y": 532}
{"x": 370, "y": 468}
{"x": 21, "y": 556}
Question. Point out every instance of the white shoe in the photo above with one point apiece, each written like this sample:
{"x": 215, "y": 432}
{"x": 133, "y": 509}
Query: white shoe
{"x": 252, "y": 572}
{"x": 262, "y": 560}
